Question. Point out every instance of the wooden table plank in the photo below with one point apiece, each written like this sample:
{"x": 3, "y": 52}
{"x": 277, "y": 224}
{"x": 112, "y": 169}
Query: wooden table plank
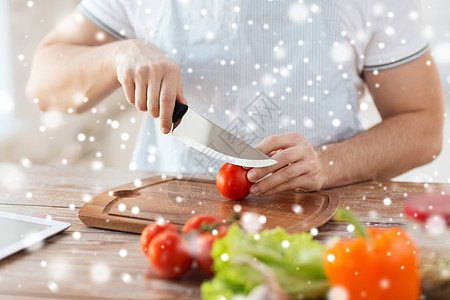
{"x": 90, "y": 263}
{"x": 68, "y": 265}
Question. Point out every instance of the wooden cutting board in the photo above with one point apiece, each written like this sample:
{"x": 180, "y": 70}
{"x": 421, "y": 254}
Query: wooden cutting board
{"x": 132, "y": 206}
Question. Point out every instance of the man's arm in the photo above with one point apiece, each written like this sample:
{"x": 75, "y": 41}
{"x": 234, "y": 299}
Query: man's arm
{"x": 409, "y": 99}
{"x": 73, "y": 61}
{"x": 78, "y": 64}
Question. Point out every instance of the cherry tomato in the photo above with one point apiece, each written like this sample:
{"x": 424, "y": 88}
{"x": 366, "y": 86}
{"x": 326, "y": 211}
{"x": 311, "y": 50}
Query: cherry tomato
{"x": 203, "y": 252}
{"x": 232, "y": 182}
{"x": 204, "y": 243}
{"x": 169, "y": 255}
{"x": 195, "y": 223}
{"x": 152, "y": 230}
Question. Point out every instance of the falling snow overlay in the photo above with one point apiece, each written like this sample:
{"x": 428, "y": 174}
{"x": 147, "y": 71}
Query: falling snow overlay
{"x": 248, "y": 73}
{"x": 266, "y": 75}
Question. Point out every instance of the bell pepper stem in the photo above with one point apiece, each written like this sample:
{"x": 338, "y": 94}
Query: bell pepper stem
{"x": 344, "y": 215}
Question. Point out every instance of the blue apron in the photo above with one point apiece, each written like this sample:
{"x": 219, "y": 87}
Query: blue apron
{"x": 256, "y": 68}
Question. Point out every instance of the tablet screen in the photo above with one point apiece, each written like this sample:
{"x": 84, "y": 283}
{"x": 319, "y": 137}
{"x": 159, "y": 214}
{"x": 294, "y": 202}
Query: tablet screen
{"x": 12, "y": 231}
{"x": 18, "y": 232}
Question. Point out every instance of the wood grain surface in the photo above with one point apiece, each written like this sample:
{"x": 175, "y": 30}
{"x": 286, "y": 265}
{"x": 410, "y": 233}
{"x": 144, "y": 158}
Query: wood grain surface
{"x": 90, "y": 263}
{"x": 132, "y": 206}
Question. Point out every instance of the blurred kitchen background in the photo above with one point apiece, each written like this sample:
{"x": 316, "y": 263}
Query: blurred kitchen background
{"x": 105, "y": 136}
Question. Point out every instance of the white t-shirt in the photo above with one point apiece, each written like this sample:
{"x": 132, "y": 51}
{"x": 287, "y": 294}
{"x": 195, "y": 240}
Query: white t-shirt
{"x": 381, "y": 33}
{"x": 301, "y": 62}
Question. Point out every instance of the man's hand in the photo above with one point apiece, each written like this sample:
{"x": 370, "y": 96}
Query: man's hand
{"x": 298, "y": 166}
{"x": 74, "y": 69}
{"x": 409, "y": 99}
{"x": 150, "y": 80}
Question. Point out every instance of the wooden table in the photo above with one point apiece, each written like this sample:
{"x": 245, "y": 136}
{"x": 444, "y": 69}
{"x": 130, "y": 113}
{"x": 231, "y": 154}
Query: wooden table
{"x": 91, "y": 263}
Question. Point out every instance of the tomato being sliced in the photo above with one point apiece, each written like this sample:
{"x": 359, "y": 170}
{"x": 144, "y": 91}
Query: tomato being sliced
{"x": 169, "y": 255}
{"x": 195, "y": 223}
{"x": 232, "y": 182}
{"x": 151, "y": 230}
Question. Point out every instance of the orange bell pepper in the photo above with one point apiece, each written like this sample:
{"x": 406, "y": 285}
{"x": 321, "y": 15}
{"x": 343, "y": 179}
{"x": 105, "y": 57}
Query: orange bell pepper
{"x": 379, "y": 264}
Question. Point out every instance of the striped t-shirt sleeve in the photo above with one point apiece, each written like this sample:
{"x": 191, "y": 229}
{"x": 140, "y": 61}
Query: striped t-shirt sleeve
{"x": 110, "y": 15}
{"x": 397, "y": 36}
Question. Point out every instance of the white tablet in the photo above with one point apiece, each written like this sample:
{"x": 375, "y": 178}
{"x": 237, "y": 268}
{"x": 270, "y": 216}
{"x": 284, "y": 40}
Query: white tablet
{"x": 18, "y": 232}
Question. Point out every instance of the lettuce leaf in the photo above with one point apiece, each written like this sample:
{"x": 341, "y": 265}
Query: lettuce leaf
{"x": 295, "y": 260}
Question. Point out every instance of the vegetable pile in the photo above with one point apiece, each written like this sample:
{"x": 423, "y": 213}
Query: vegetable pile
{"x": 171, "y": 254}
{"x": 273, "y": 264}
{"x": 243, "y": 260}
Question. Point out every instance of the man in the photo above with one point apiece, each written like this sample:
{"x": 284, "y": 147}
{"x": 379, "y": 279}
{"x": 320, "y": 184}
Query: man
{"x": 288, "y": 72}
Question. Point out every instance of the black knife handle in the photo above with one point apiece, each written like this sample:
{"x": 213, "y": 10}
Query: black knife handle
{"x": 178, "y": 112}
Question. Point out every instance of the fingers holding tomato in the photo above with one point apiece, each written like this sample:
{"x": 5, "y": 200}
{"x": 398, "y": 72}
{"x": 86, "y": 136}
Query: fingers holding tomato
{"x": 298, "y": 166}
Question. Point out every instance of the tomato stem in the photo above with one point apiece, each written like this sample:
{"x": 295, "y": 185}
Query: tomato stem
{"x": 234, "y": 217}
{"x": 344, "y": 215}
{"x": 208, "y": 227}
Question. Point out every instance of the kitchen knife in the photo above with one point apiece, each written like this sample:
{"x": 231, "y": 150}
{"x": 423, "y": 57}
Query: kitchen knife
{"x": 196, "y": 131}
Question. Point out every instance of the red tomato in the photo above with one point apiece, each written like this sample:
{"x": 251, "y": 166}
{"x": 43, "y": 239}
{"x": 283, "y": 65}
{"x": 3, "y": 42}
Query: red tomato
{"x": 169, "y": 255}
{"x": 204, "y": 243}
{"x": 151, "y": 230}
{"x": 195, "y": 223}
{"x": 203, "y": 252}
{"x": 232, "y": 182}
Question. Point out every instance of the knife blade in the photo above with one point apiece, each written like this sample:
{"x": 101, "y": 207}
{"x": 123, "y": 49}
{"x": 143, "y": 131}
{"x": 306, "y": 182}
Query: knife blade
{"x": 199, "y": 133}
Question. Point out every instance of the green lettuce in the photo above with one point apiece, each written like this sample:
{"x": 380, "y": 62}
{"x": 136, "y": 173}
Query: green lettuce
{"x": 295, "y": 261}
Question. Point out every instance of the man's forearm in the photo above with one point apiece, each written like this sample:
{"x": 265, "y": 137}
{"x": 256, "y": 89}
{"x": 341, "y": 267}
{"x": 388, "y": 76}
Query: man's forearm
{"x": 390, "y": 148}
{"x": 72, "y": 78}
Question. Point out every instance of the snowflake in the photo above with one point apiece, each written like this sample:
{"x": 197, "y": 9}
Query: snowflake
{"x": 298, "y": 13}
{"x": 341, "y": 53}
{"x": 81, "y": 137}
{"x": 52, "y": 120}
{"x": 25, "y": 162}
{"x": 123, "y": 253}
{"x": 53, "y": 286}
{"x": 435, "y": 225}
{"x": 100, "y": 273}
